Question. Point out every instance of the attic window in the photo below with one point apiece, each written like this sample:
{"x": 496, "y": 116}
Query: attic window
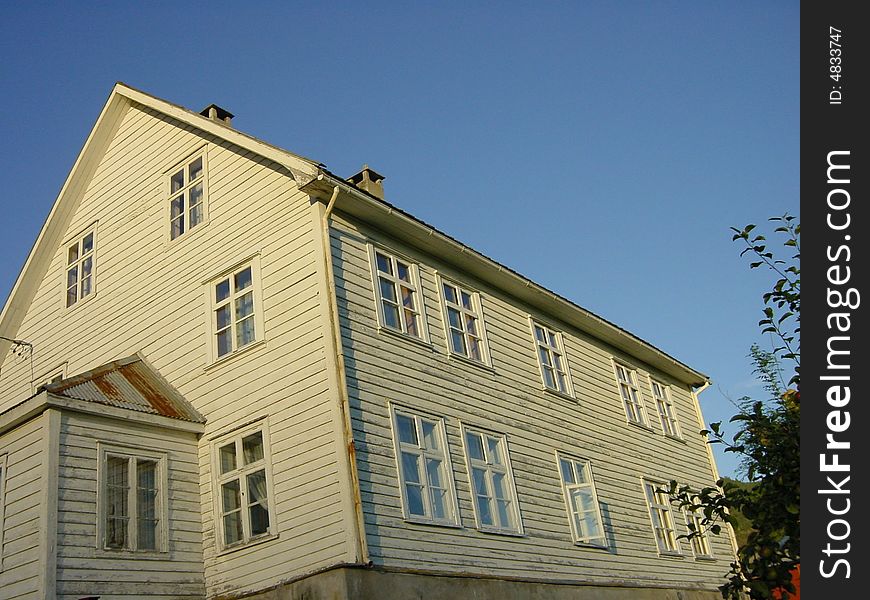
{"x": 80, "y": 268}
{"x": 187, "y": 195}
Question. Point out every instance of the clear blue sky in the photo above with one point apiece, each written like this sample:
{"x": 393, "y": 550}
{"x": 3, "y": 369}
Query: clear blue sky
{"x": 600, "y": 148}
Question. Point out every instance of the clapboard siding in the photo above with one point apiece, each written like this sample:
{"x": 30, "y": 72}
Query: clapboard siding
{"x": 151, "y": 298}
{"x": 84, "y": 569}
{"x": 508, "y": 399}
{"x": 20, "y": 551}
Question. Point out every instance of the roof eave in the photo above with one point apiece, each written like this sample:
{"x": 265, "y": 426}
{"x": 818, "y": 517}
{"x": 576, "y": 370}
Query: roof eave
{"x": 396, "y": 221}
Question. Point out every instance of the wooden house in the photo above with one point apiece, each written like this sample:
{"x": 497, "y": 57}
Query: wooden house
{"x": 228, "y": 372}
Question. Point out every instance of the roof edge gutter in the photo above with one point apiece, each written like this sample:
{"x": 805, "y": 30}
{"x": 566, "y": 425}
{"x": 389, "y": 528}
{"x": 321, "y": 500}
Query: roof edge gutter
{"x": 690, "y": 375}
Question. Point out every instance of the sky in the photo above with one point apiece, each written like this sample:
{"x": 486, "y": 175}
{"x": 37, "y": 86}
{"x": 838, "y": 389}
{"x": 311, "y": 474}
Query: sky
{"x": 602, "y": 149}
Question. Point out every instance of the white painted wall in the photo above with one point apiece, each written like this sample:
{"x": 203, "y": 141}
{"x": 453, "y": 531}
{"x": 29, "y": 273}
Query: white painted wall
{"x": 509, "y": 399}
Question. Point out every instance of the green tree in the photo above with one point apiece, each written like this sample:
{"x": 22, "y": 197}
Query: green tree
{"x": 767, "y": 437}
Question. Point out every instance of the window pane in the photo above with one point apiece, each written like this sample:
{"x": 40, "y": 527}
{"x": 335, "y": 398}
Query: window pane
{"x": 411, "y": 323}
{"x": 384, "y": 263}
{"x": 222, "y": 290}
{"x": 411, "y": 467}
{"x": 258, "y": 507}
{"x": 391, "y": 316}
{"x": 539, "y": 334}
{"x": 475, "y": 445}
{"x": 388, "y": 290}
{"x": 454, "y": 318}
{"x": 433, "y": 472}
{"x": 146, "y": 504}
{"x": 458, "y": 342}
{"x": 252, "y": 448}
{"x": 403, "y": 272}
{"x": 72, "y": 277}
{"x": 195, "y": 169}
{"x": 466, "y": 301}
{"x": 471, "y": 324}
{"x": 505, "y": 514}
{"x": 176, "y": 182}
{"x": 224, "y": 342}
{"x": 87, "y": 243}
{"x": 73, "y": 254}
{"x": 231, "y": 495}
{"x": 407, "y": 431}
{"x": 474, "y": 348}
{"x": 228, "y": 458}
{"x": 71, "y": 295}
{"x": 430, "y": 435}
{"x": 567, "y": 471}
{"x": 87, "y": 265}
{"x": 407, "y": 297}
{"x": 484, "y": 503}
{"x": 244, "y": 305}
{"x": 494, "y": 448}
{"x": 117, "y": 487}
{"x": 196, "y": 214}
{"x": 222, "y": 317}
{"x": 499, "y": 482}
{"x": 232, "y": 528}
{"x": 245, "y": 331}
{"x": 415, "y": 499}
{"x": 439, "y": 503}
{"x": 450, "y": 293}
{"x": 86, "y": 286}
{"x": 177, "y": 227}
{"x": 195, "y": 195}
{"x": 176, "y": 207}
{"x": 243, "y": 279}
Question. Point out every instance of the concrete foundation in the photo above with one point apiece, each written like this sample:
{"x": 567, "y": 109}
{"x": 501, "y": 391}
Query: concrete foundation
{"x": 356, "y": 583}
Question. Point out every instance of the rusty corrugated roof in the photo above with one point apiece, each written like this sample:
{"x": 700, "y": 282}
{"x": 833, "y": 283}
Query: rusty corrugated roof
{"x": 129, "y": 383}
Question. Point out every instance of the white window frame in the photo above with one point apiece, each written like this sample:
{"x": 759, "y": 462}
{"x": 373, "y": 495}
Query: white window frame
{"x": 452, "y": 505}
{"x": 490, "y": 469}
{"x": 214, "y": 305}
{"x": 701, "y": 547}
{"x": 170, "y": 195}
{"x": 661, "y": 516}
{"x": 553, "y": 347}
{"x": 475, "y": 311}
{"x": 78, "y": 264}
{"x": 3, "y": 478}
{"x": 567, "y": 489}
{"x": 414, "y": 285}
{"x": 132, "y": 454}
{"x": 241, "y": 473}
{"x": 625, "y": 386}
{"x": 661, "y": 394}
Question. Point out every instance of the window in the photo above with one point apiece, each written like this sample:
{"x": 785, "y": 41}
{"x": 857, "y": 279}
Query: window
{"x": 186, "y": 196}
{"x": 400, "y": 305}
{"x": 665, "y": 408}
{"x": 243, "y": 487}
{"x": 236, "y": 315}
{"x": 583, "y": 510}
{"x": 425, "y": 474}
{"x": 662, "y": 520}
{"x": 701, "y": 543}
{"x": 52, "y": 376}
{"x": 464, "y": 324}
{"x": 80, "y": 268}
{"x": 132, "y": 500}
{"x": 630, "y": 393}
{"x": 492, "y": 484}
{"x": 551, "y": 359}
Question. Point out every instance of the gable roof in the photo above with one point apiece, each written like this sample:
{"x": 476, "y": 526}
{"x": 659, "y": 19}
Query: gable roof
{"x": 312, "y": 177}
{"x": 128, "y": 383}
{"x": 53, "y": 230}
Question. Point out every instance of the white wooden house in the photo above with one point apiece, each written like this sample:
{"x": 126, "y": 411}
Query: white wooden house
{"x": 227, "y": 372}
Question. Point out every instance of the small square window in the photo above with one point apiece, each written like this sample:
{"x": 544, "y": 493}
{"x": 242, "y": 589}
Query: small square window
{"x": 551, "y": 359}
{"x": 665, "y": 408}
{"x": 492, "y": 483}
{"x": 630, "y": 393}
{"x": 187, "y": 195}
{"x": 397, "y": 292}
{"x": 244, "y": 502}
{"x": 464, "y": 322}
{"x": 132, "y": 500}
{"x": 80, "y": 266}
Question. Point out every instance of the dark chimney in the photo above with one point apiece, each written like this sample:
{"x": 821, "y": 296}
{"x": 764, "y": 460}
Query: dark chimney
{"x": 216, "y": 113}
{"x": 369, "y": 181}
